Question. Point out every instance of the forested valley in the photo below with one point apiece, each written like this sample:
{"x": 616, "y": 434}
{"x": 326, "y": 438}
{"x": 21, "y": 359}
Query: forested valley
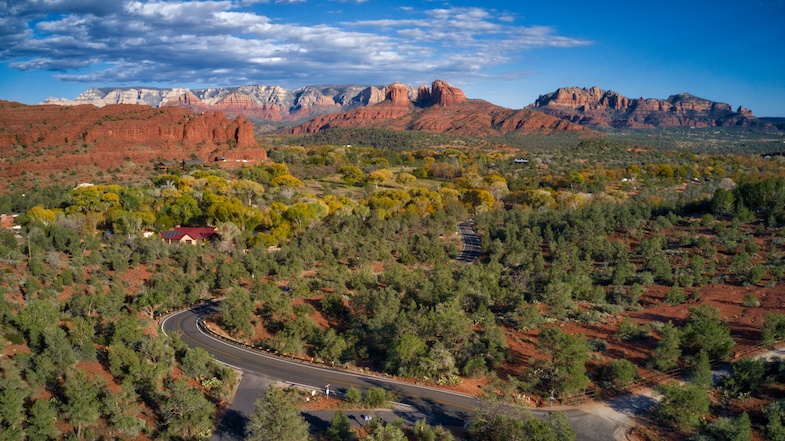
{"x": 606, "y": 262}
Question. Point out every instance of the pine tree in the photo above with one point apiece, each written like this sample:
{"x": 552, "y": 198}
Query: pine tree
{"x": 276, "y": 418}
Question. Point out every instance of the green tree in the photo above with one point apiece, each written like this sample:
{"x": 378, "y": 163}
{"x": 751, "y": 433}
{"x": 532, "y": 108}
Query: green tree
{"x": 773, "y": 327}
{"x": 682, "y": 406}
{"x": 731, "y": 429}
{"x": 121, "y": 409}
{"x": 424, "y": 432}
{"x": 186, "y": 412}
{"x": 746, "y": 377}
{"x": 333, "y": 346}
{"x": 620, "y": 373}
{"x": 700, "y": 374}
{"x": 499, "y": 422}
{"x": 568, "y": 356}
{"x": 722, "y": 202}
{"x": 351, "y": 174}
{"x": 775, "y": 417}
{"x": 247, "y": 190}
{"x": 276, "y": 418}
{"x": 405, "y": 355}
{"x": 707, "y": 331}
{"x": 237, "y": 312}
{"x": 353, "y": 395}
{"x": 41, "y": 421}
{"x": 375, "y": 397}
{"x": 12, "y": 408}
{"x": 667, "y": 352}
{"x": 83, "y": 406}
{"x": 389, "y": 432}
{"x": 149, "y": 301}
{"x": 340, "y": 428}
{"x": 196, "y": 362}
{"x": 305, "y": 214}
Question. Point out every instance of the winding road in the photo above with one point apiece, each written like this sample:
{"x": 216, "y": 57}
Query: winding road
{"x": 259, "y": 369}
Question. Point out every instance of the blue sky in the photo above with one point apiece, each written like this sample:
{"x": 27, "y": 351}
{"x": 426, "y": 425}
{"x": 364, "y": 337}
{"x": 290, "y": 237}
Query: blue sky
{"x": 506, "y": 52}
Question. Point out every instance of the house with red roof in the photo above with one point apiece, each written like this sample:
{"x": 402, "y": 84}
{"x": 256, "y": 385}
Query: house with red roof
{"x": 189, "y": 235}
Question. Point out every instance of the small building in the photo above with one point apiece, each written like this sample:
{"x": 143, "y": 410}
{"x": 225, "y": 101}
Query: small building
{"x": 220, "y": 159}
{"x": 189, "y": 235}
{"x": 521, "y": 161}
{"x": 165, "y": 165}
{"x": 193, "y": 163}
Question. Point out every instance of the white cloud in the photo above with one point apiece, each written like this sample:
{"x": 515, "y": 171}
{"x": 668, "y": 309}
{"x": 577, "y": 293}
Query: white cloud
{"x": 226, "y": 43}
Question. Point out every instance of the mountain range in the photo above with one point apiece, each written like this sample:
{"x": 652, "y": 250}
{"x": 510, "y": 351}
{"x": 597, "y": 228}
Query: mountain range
{"x": 265, "y": 105}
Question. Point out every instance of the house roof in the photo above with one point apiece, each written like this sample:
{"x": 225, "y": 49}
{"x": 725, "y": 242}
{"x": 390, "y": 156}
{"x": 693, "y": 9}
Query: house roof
{"x": 196, "y": 233}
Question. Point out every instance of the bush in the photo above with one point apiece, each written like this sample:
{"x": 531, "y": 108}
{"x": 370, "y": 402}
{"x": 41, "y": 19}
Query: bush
{"x": 707, "y": 331}
{"x": 375, "y": 397}
{"x": 682, "y": 406}
{"x": 731, "y": 429}
{"x": 629, "y": 330}
{"x": 675, "y": 296}
{"x": 746, "y": 377}
{"x": 620, "y": 373}
{"x": 750, "y": 301}
{"x": 773, "y": 327}
{"x": 353, "y": 395}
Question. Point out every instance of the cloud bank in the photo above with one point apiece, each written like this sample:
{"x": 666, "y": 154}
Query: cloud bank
{"x": 233, "y": 43}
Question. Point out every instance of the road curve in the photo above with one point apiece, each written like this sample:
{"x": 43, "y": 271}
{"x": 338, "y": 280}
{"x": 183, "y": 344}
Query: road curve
{"x": 444, "y": 407}
{"x": 440, "y": 406}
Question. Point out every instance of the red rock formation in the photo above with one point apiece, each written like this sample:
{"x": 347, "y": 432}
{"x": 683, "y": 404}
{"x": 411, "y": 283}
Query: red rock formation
{"x": 443, "y": 109}
{"x": 423, "y": 94}
{"x": 398, "y": 95}
{"x": 442, "y": 94}
{"x": 595, "y": 106}
{"x": 112, "y": 134}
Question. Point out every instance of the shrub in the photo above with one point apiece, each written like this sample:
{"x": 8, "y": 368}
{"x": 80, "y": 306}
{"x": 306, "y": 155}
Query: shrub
{"x": 773, "y": 327}
{"x": 682, "y": 406}
{"x": 675, "y": 296}
{"x": 353, "y": 395}
{"x": 375, "y": 397}
{"x": 751, "y": 301}
{"x": 620, "y": 373}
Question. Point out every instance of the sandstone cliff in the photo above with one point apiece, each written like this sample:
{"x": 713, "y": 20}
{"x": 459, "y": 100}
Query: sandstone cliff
{"x": 597, "y": 107}
{"x": 256, "y": 102}
{"x": 441, "y": 108}
{"x": 108, "y": 136}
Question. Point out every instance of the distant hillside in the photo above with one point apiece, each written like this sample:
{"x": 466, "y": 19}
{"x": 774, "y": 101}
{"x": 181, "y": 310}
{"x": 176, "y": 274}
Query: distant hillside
{"x": 776, "y": 122}
{"x": 439, "y": 109}
{"x": 597, "y": 107}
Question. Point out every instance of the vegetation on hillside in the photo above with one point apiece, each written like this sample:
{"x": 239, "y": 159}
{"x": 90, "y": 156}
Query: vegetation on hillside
{"x": 603, "y": 261}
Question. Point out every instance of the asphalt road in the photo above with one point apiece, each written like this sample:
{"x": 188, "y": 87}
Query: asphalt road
{"x": 259, "y": 369}
{"x": 471, "y": 243}
{"x": 438, "y": 406}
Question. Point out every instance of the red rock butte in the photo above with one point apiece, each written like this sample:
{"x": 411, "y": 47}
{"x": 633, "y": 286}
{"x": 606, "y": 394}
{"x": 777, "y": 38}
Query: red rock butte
{"x": 441, "y": 108}
{"x": 108, "y": 136}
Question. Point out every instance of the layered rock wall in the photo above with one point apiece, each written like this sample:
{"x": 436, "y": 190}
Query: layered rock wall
{"x": 594, "y": 106}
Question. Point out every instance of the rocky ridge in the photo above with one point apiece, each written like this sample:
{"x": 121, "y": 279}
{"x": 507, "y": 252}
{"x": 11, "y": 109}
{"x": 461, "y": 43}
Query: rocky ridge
{"x": 597, "y": 107}
{"x": 441, "y": 108}
{"x": 256, "y": 102}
